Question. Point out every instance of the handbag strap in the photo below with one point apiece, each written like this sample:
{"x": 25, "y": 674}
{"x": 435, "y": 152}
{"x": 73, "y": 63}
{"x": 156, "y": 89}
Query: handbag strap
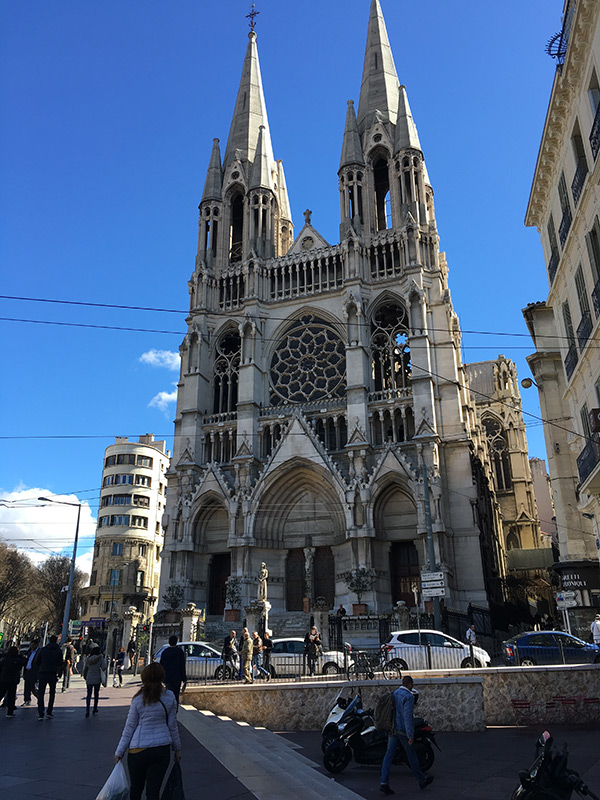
{"x": 166, "y": 712}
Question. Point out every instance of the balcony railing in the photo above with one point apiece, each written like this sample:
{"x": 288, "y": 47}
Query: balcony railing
{"x": 553, "y": 265}
{"x": 579, "y": 179}
{"x": 596, "y": 299}
{"x": 587, "y": 460}
{"x": 584, "y": 329}
{"x": 571, "y": 360}
{"x": 595, "y": 134}
{"x": 565, "y": 225}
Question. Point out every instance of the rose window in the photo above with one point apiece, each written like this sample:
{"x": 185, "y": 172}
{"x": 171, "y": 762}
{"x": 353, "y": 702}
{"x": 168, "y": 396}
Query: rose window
{"x": 309, "y": 363}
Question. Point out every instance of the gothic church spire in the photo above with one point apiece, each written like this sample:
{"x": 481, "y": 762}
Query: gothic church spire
{"x": 379, "y": 87}
{"x": 213, "y": 186}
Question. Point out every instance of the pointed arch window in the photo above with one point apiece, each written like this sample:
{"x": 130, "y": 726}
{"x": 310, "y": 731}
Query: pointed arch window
{"x": 226, "y": 367}
{"x": 391, "y": 368}
{"x": 381, "y": 178}
{"x": 499, "y": 453}
{"x": 236, "y": 231}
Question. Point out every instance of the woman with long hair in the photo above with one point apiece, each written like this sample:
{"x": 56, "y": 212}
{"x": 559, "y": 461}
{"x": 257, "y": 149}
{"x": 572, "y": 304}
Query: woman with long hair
{"x": 149, "y": 734}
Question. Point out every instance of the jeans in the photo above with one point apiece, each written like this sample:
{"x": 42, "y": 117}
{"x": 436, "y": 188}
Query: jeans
{"x": 8, "y": 690}
{"x": 49, "y": 681}
{"x": 175, "y": 687}
{"x": 30, "y": 680}
{"x": 257, "y": 662}
{"x": 394, "y": 739}
{"x": 148, "y": 767}
{"x": 95, "y": 688}
{"x": 66, "y": 676}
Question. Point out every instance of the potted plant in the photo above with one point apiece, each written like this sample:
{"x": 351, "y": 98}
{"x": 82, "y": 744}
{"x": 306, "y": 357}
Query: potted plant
{"x": 173, "y": 599}
{"x": 233, "y": 599}
{"x": 359, "y": 581}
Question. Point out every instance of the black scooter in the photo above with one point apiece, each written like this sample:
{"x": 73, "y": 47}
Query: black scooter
{"x": 359, "y": 739}
{"x": 548, "y": 777}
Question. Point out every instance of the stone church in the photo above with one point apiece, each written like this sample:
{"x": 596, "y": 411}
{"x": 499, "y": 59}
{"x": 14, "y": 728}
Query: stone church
{"x": 320, "y": 383}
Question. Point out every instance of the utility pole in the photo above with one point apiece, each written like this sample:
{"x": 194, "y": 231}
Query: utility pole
{"x": 432, "y": 565}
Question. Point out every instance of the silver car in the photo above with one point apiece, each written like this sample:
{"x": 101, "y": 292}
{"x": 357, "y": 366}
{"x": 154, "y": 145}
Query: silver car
{"x": 288, "y": 658}
{"x": 429, "y": 649}
{"x": 202, "y": 660}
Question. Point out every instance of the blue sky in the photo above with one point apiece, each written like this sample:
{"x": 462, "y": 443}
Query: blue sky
{"x": 109, "y": 111}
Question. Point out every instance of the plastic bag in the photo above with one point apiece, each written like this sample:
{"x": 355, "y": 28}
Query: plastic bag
{"x": 117, "y": 785}
{"x": 174, "y": 786}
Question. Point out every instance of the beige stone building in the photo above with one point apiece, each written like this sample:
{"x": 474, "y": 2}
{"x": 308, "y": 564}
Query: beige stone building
{"x": 319, "y": 380}
{"x": 129, "y": 537}
{"x": 565, "y": 207}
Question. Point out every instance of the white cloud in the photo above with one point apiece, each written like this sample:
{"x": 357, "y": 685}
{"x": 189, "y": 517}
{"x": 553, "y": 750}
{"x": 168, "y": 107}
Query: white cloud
{"x": 163, "y": 400}
{"x": 43, "y": 529}
{"x": 161, "y": 358}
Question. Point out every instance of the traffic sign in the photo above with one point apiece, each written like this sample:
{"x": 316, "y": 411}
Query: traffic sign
{"x": 566, "y": 595}
{"x": 438, "y": 592}
{"x": 567, "y": 604}
{"x": 432, "y": 576}
{"x": 431, "y": 585}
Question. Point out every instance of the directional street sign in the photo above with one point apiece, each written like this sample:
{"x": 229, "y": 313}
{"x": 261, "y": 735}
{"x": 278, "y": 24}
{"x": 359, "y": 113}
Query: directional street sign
{"x": 566, "y": 604}
{"x": 566, "y": 595}
{"x": 438, "y": 592}
{"x": 432, "y": 576}
{"x": 432, "y": 585}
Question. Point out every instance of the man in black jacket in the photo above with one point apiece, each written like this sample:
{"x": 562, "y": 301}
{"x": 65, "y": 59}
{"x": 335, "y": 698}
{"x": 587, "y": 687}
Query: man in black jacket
{"x": 173, "y": 663}
{"x": 230, "y": 654}
{"x": 30, "y": 673}
{"x": 50, "y": 670}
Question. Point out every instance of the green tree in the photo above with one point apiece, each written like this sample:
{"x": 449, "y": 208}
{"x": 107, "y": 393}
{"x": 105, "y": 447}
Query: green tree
{"x": 16, "y": 579}
{"x": 53, "y": 577}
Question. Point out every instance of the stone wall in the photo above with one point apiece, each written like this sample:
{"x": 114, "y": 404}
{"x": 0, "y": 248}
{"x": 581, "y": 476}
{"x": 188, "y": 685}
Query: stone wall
{"x": 450, "y": 704}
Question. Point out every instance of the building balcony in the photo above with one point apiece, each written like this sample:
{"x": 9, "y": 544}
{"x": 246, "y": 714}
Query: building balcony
{"x": 579, "y": 179}
{"x": 553, "y": 265}
{"x": 596, "y": 299}
{"x": 565, "y": 226}
{"x": 595, "y": 134}
{"x": 588, "y": 466}
{"x": 584, "y": 329}
{"x": 571, "y": 360}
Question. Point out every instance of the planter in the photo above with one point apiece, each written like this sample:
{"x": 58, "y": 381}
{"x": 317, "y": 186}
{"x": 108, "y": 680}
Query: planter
{"x": 359, "y": 609}
{"x": 232, "y": 615}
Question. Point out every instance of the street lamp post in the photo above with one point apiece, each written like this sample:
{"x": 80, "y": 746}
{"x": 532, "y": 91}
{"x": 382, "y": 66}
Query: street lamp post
{"x": 65, "y": 624}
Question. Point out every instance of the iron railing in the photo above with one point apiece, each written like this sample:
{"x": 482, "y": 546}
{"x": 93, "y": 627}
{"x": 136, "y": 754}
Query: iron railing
{"x": 587, "y": 460}
{"x": 565, "y": 225}
{"x": 595, "y": 134}
{"x": 596, "y": 298}
{"x": 553, "y": 265}
{"x": 584, "y": 329}
{"x": 579, "y": 179}
{"x": 571, "y": 360}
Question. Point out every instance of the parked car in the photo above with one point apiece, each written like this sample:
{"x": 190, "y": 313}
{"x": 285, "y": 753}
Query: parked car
{"x": 287, "y": 658}
{"x": 413, "y": 650}
{"x": 202, "y": 660}
{"x": 549, "y": 647}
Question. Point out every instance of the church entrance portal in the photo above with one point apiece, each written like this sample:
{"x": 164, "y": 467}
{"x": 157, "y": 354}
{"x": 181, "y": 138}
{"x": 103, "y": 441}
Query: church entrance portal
{"x": 404, "y": 571}
{"x": 220, "y": 569}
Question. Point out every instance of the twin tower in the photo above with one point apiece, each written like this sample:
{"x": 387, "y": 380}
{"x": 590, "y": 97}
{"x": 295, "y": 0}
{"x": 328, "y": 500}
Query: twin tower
{"x": 318, "y": 381}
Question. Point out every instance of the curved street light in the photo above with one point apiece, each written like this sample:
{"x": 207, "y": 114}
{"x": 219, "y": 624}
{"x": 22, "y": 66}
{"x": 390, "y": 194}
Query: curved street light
{"x": 65, "y": 624}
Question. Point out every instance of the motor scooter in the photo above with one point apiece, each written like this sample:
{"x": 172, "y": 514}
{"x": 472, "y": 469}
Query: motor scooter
{"x": 330, "y": 730}
{"x": 358, "y": 739}
{"x": 548, "y": 777}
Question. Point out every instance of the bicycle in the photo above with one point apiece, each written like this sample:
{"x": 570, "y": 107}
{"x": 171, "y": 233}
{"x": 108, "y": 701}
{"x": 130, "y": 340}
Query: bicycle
{"x": 366, "y": 664}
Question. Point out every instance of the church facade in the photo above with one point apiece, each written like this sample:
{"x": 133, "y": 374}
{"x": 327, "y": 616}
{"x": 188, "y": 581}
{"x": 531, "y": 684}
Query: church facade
{"x": 321, "y": 384}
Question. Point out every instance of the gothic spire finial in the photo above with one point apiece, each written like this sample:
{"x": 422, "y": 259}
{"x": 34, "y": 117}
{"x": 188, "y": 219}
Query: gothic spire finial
{"x": 252, "y": 16}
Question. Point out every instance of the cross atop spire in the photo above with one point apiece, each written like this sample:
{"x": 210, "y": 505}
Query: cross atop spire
{"x": 252, "y": 16}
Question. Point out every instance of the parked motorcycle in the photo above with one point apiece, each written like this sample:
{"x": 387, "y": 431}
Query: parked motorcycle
{"x": 358, "y": 739}
{"x": 330, "y": 730}
{"x": 548, "y": 777}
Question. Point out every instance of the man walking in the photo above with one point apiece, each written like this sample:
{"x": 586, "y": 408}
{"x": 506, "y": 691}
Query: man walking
{"x": 247, "y": 652}
{"x": 403, "y": 734}
{"x": 30, "y": 673}
{"x": 50, "y": 670}
{"x": 173, "y": 663}
{"x": 257, "y": 647}
{"x": 131, "y": 655}
{"x": 595, "y": 629}
{"x": 69, "y": 659}
{"x": 230, "y": 654}
{"x": 471, "y": 636}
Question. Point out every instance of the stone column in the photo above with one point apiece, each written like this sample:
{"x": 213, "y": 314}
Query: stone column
{"x": 189, "y": 622}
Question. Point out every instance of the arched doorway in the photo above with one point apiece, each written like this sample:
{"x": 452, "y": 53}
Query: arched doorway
{"x": 404, "y": 571}
{"x": 324, "y": 575}
{"x": 219, "y": 571}
{"x": 294, "y": 580}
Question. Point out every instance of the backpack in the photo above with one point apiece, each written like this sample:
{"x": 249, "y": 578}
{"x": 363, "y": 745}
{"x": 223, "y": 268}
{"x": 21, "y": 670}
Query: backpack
{"x": 383, "y": 718}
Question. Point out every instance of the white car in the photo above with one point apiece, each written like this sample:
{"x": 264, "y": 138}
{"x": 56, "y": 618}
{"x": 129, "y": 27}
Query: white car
{"x": 428, "y": 649}
{"x": 287, "y": 658}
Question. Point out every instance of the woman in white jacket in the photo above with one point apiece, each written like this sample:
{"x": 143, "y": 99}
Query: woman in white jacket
{"x": 149, "y": 734}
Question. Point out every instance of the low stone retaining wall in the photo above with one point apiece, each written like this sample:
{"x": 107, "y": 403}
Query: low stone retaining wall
{"x": 451, "y": 701}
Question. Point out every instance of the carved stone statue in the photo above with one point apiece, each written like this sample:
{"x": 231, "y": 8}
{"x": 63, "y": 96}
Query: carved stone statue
{"x": 263, "y": 574}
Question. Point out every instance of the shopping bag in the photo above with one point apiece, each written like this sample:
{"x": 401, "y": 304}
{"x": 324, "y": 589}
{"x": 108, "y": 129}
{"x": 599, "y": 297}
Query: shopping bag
{"x": 103, "y": 677}
{"x": 174, "y": 786}
{"x": 117, "y": 785}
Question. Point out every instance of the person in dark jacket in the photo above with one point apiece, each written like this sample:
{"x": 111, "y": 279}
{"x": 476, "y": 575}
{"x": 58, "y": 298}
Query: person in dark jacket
{"x": 10, "y": 675}
{"x": 50, "y": 670}
{"x": 30, "y": 674}
{"x": 69, "y": 659}
{"x": 173, "y": 662}
{"x": 230, "y": 654}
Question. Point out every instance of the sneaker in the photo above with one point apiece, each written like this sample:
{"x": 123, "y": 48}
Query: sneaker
{"x": 40, "y": 719}
{"x": 87, "y": 713}
{"x": 386, "y": 788}
{"x": 426, "y": 782}
{"x": 11, "y": 716}
{"x": 26, "y": 703}
{"x": 49, "y": 714}
{"x": 95, "y": 711}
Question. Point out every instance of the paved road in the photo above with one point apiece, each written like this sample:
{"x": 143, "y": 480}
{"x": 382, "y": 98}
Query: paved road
{"x": 71, "y": 756}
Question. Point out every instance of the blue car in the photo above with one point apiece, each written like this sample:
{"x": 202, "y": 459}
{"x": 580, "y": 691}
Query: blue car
{"x": 549, "y": 647}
